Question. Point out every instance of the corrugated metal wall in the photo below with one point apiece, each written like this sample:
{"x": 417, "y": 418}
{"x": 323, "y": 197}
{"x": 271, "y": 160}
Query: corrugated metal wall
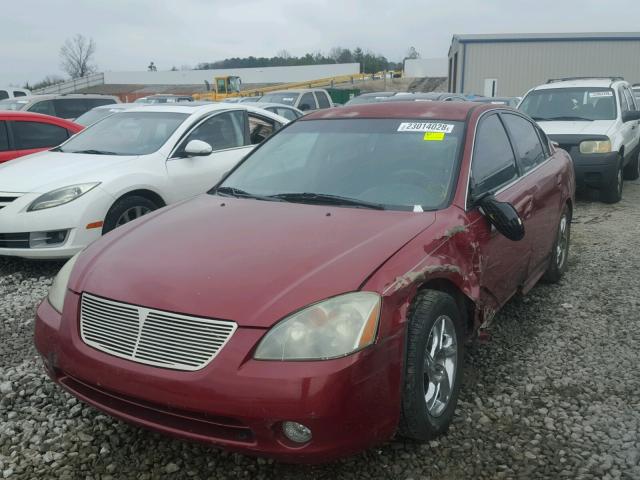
{"x": 519, "y": 66}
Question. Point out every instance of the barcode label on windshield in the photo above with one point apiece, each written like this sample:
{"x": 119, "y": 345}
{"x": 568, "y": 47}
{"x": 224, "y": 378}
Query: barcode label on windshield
{"x": 425, "y": 127}
{"x": 600, "y": 94}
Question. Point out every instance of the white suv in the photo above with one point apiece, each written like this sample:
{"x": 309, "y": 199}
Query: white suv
{"x": 596, "y": 120}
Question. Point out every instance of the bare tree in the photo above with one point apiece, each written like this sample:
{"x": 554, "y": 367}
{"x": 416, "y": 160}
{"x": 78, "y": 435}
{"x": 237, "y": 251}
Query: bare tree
{"x": 283, "y": 54}
{"x": 412, "y": 54}
{"x": 76, "y": 55}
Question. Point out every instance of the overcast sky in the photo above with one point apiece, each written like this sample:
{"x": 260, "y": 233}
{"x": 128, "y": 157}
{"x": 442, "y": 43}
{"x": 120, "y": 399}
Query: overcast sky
{"x": 131, "y": 33}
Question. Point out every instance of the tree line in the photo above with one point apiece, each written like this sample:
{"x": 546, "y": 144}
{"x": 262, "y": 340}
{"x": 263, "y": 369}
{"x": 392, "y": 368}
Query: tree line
{"x": 370, "y": 62}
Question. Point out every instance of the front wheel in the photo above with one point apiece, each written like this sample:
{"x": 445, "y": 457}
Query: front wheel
{"x": 612, "y": 193}
{"x": 433, "y": 369}
{"x": 126, "y": 210}
{"x": 560, "y": 252}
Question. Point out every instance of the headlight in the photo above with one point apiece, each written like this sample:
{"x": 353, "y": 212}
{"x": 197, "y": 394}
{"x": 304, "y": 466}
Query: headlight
{"x": 61, "y": 196}
{"x": 595, "y": 146}
{"x": 59, "y": 287}
{"x": 332, "y": 328}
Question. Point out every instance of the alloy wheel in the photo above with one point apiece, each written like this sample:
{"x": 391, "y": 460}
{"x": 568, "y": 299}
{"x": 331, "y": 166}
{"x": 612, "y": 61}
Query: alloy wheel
{"x": 131, "y": 214}
{"x": 440, "y": 365}
{"x": 563, "y": 241}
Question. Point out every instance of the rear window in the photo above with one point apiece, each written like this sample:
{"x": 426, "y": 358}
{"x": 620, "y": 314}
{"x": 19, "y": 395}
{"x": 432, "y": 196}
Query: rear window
{"x": 19, "y": 94}
{"x": 74, "y": 107}
{"x": 4, "y": 94}
{"x": 570, "y": 104}
{"x": 323, "y": 102}
{"x": 30, "y": 135}
{"x": 280, "y": 97}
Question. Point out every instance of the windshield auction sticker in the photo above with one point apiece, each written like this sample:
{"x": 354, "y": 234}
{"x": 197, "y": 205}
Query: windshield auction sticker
{"x": 433, "y": 136}
{"x": 425, "y": 127}
{"x": 600, "y": 94}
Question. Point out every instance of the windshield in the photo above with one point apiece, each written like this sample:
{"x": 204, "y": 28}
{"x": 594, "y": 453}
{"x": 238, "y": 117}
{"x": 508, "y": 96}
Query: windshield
{"x": 92, "y": 116}
{"x": 560, "y": 104}
{"x": 12, "y": 104}
{"x": 287, "y": 98}
{"x": 126, "y": 133}
{"x": 398, "y": 164}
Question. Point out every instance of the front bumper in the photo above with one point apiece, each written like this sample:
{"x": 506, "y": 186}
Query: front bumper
{"x": 73, "y": 216}
{"x": 235, "y": 402}
{"x": 596, "y": 170}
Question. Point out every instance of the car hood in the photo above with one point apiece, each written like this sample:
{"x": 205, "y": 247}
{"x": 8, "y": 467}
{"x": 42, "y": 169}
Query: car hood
{"x": 249, "y": 261}
{"x": 597, "y": 127}
{"x": 45, "y": 171}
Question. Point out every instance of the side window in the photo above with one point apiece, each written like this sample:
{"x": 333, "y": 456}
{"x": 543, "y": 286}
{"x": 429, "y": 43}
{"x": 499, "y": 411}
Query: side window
{"x": 307, "y": 102}
{"x": 624, "y": 106}
{"x": 630, "y": 99}
{"x": 28, "y": 135}
{"x": 19, "y": 94}
{"x": 73, "y": 107}
{"x": 323, "y": 101}
{"x": 260, "y": 129}
{"x": 4, "y": 94}
{"x": 4, "y": 137}
{"x": 285, "y": 112}
{"x": 222, "y": 131}
{"x": 526, "y": 141}
{"x": 493, "y": 161}
{"x": 45, "y": 107}
{"x": 545, "y": 142}
{"x": 96, "y": 102}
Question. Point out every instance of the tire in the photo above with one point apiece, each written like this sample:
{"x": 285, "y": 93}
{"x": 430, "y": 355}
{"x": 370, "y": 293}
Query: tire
{"x": 127, "y": 207}
{"x": 613, "y": 192}
{"x": 632, "y": 170}
{"x": 422, "y": 416}
{"x": 560, "y": 250}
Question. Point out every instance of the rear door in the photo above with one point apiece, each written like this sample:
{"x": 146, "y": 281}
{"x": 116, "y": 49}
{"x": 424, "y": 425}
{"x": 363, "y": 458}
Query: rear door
{"x": 634, "y": 130}
{"x": 31, "y": 137}
{"x": 503, "y": 262}
{"x": 540, "y": 175}
{"x": 323, "y": 100}
{"x": 307, "y": 102}
{"x": 227, "y": 133}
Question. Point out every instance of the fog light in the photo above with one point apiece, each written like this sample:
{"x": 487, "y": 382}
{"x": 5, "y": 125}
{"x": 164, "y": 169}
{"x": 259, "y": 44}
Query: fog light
{"x": 47, "y": 239}
{"x": 296, "y": 432}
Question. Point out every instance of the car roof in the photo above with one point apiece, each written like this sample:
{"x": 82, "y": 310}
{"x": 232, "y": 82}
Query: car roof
{"x": 119, "y": 106}
{"x": 582, "y": 82}
{"x": 191, "y": 108}
{"x": 20, "y": 114}
{"x": 297, "y": 90}
{"x": 456, "y": 111}
{"x": 273, "y": 104}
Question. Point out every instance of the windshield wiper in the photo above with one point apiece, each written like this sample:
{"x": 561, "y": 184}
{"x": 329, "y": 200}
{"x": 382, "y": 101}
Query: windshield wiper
{"x": 327, "y": 199}
{"x": 239, "y": 193}
{"x": 93, "y": 152}
{"x": 568, "y": 118}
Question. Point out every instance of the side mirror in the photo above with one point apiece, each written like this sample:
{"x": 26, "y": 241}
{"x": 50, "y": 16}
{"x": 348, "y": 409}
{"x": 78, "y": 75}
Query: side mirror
{"x": 503, "y": 216}
{"x": 631, "y": 116}
{"x": 198, "y": 148}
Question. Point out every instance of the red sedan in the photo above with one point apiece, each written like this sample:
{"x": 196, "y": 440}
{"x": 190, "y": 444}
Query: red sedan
{"x": 317, "y": 300}
{"x": 22, "y": 133}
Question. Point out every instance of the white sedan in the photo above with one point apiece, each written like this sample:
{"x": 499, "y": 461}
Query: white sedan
{"x": 55, "y": 203}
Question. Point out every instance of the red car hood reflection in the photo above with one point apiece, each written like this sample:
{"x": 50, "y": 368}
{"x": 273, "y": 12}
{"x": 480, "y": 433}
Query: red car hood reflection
{"x": 249, "y": 261}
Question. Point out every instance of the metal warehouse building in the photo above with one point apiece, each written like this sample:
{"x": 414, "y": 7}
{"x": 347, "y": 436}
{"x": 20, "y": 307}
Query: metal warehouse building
{"x": 509, "y": 65}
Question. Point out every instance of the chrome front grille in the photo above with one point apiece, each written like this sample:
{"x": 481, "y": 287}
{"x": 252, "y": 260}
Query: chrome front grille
{"x": 149, "y": 336}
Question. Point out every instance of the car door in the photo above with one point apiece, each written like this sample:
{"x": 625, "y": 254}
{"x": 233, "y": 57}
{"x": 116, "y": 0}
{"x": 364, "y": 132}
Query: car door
{"x": 503, "y": 263}
{"x": 540, "y": 175}
{"x": 227, "y": 134}
{"x": 31, "y": 137}
{"x": 635, "y": 124}
{"x": 629, "y": 130}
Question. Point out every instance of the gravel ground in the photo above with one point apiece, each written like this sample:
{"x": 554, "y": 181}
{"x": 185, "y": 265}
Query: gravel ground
{"x": 555, "y": 394}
